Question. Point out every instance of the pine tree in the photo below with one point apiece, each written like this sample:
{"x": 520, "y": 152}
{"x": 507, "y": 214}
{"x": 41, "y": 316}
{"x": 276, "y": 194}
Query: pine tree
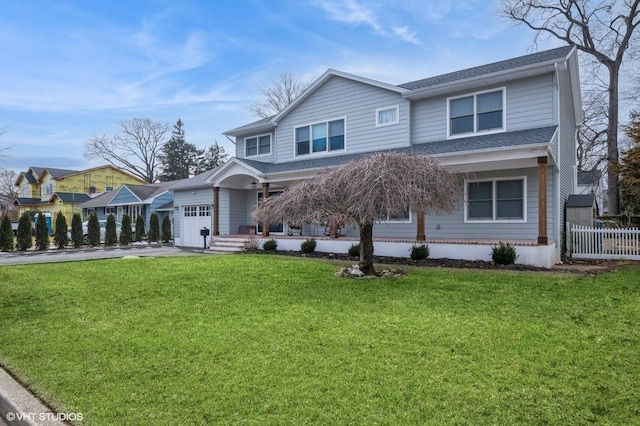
{"x": 6, "y": 234}
{"x": 212, "y": 158}
{"x": 629, "y": 168}
{"x": 93, "y": 230}
{"x": 42, "y": 233}
{"x": 140, "y": 234}
{"x": 60, "y": 238}
{"x": 154, "y": 228}
{"x": 166, "y": 229}
{"x": 76, "y": 230}
{"x": 111, "y": 234}
{"x": 126, "y": 235}
{"x": 25, "y": 229}
{"x": 178, "y": 157}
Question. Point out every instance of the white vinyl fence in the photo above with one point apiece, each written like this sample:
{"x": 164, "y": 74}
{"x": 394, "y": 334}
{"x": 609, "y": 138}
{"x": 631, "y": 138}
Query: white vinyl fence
{"x": 602, "y": 243}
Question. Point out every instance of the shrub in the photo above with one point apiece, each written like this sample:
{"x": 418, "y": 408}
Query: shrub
{"x": 60, "y": 238}
{"x": 270, "y": 244}
{"x": 76, "y": 230}
{"x": 6, "y": 234}
{"x": 126, "y": 234}
{"x": 354, "y": 250}
{"x": 110, "y": 232}
{"x": 504, "y": 254}
{"x": 166, "y": 229}
{"x": 419, "y": 252}
{"x": 154, "y": 228}
{"x": 93, "y": 230}
{"x": 42, "y": 233}
{"x": 308, "y": 245}
{"x": 140, "y": 234}
{"x": 24, "y": 232}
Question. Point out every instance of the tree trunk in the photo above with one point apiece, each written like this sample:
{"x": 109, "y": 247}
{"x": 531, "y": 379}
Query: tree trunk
{"x": 612, "y": 141}
{"x": 366, "y": 248}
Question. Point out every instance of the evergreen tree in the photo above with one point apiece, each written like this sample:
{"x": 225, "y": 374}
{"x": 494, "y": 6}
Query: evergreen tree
{"x": 111, "y": 235}
{"x": 154, "y": 228}
{"x": 211, "y": 158}
{"x": 25, "y": 229}
{"x": 42, "y": 233}
{"x": 629, "y": 169}
{"x": 60, "y": 238}
{"x": 126, "y": 235}
{"x": 6, "y": 234}
{"x": 178, "y": 157}
{"x": 166, "y": 229}
{"x": 76, "y": 230}
{"x": 140, "y": 234}
{"x": 93, "y": 230}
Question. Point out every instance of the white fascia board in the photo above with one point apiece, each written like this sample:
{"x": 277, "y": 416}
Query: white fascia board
{"x": 478, "y": 157}
{"x": 231, "y": 168}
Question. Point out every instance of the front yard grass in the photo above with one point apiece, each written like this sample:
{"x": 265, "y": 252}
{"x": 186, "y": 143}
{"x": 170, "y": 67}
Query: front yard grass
{"x": 251, "y": 339}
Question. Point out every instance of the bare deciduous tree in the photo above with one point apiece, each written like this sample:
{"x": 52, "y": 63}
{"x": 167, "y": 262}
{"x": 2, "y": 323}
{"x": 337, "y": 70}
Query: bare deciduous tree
{"x": 605, "y": 30}
{"x": 278, "y": 95}
{"x": 365, "y": 191}
{"x": 136, "y": 150}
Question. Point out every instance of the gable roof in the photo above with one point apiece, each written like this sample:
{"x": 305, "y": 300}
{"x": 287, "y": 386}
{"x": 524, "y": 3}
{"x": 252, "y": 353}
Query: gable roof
{"x": 25, "y": 201}
{"x": 590, "y": 177}
{"x": 70, "y": 197}
{"x": 582, "y": 200}
{"x": 198, "y": 181}
{"x": 99, "y": 200}
{"x": 57, "y": 173}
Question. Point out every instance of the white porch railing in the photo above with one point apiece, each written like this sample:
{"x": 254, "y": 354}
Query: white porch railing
{"x": 596, "y": 243}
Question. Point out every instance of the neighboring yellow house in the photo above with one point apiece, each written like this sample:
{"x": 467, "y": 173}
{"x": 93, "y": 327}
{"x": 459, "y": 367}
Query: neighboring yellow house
{"x": 51, "y": 190}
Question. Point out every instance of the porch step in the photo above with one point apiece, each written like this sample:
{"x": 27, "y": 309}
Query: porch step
{"x": 225, "y": 244}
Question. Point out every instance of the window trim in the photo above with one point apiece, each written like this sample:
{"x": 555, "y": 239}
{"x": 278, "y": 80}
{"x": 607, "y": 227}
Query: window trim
{"x": 392, "y": 123}
{"x": 327, "y": 151}
{"x": 494, "y": 200}
{"x": 399, "y": 220}
{"x": 475, "y": 131}
{"x": 257, "y": 138}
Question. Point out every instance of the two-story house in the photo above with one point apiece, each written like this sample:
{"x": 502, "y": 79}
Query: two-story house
{"x": 507, "y": 128}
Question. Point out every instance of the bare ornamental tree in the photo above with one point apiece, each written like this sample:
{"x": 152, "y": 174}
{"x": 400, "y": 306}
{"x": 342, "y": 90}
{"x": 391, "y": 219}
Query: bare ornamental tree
{"x": 364, "y": 191}
{"x": 603, "y": 29}
{"x": 136, "y": 150}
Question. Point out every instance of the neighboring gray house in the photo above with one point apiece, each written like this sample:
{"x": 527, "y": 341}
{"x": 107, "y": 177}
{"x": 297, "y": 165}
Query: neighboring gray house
{"x": 507, "y": 128}
{"x": 134, "y": 200}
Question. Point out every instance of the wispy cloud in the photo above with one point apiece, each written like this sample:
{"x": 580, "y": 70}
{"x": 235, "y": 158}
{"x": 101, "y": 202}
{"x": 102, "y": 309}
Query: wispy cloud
{"x": 406, "y": 34}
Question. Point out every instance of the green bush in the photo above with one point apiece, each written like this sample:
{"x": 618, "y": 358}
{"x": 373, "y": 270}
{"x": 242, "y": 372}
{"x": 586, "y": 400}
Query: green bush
{"x": 110, "y": 232}
{"x": 76, "y": 230}
{"x": 42, "y": 233}
{"x": 154, "y": 228}
{"x": 60, "y": 238}
{"x": 140, "y": 234}
{"x": 309, "y": 245}
{"x": 270, "y": 244}
{"x": 354, "y": 250}
{"x": 166, "y": 229}
{"x": 419, "y": 252}
{"x": 6, "y": 234}
{"x": 93, "y": 230}
{"x": 126, "y": 234}
{"x": 25, "y": 228}
{"x": 504, "y": 254}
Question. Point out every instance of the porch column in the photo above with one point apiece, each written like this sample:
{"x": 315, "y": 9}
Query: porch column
{"x": 265, "y": 195}
{"x": 216, "y": 210}
{"x": 420, "y": 235}
{"x": 542, "y": 201}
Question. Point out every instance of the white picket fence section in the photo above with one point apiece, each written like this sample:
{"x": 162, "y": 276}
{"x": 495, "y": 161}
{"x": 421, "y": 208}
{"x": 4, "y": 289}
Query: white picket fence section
{"x": 603, "y": 243}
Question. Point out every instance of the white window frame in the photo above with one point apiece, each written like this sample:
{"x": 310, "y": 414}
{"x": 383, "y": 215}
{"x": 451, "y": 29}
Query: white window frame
{"x": 391, "y": 123}
{"x": 257, "y": 138}
{"x": 399, "y": 220}
{"x": 190, "y": 211}
{"x": 327, "y": 151}
{"x": 475, "y": 114}
{"x": 494, "y": 201}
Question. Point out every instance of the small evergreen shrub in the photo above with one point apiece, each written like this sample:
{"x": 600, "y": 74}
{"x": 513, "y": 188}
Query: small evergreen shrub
{"x": 93, "y": 230}
{"x": 140, "y": 234}
{"x": 154, "y": 228}
{"x": 110, "y": 232}
{"x": 504, "y": 254}
{"x": 24, "y": 232}
{"x": 42, "y": 233}
{"x": 6, "y": 234}
{"x": 308, "y": 245}
{"x": 166, "y": 229}
{"x": 126, "y": 234}
{"x": 60, "y": 238}
{"x": 270, "y": 245}
{"x": 76, "y": 230}
{"x": 419, "y": 252}
{"x": 354, "y": 250}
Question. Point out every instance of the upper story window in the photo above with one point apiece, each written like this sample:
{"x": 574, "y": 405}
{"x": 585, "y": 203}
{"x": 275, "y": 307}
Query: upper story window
{"x": 477, "y": 113}
{"x": 496, "y": 200}
{"x": 387, "y": 116}
{"x": 320, "y": 137}
{"x": 257, "y": 145}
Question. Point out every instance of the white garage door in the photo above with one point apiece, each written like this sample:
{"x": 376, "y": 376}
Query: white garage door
{"x": 194, "y": 218}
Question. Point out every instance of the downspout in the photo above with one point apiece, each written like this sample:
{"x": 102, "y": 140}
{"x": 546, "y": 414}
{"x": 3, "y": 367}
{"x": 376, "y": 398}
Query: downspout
{"x": 559, "y": 226}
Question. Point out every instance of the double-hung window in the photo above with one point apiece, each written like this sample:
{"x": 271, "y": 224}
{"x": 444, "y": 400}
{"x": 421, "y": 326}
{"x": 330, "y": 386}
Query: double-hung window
{"x": 257, "y": 145}
{"x": 320, "y": 137}
{"x": 496, "y": 200}
{"x": 477, "y": 113}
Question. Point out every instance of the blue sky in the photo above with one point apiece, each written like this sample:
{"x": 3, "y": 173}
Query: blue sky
{"x": 73, "y": 69}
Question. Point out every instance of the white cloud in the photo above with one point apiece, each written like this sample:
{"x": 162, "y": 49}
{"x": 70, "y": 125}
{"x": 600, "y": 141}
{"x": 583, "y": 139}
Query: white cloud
{"x": 407, "y": 35}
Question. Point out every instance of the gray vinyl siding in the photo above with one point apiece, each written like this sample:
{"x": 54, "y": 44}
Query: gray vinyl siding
{"x": 188, "y": 198}
{"x": 355, "y": 102}
{"x": 528, "y": 104}
{"x": 237, "y": 210}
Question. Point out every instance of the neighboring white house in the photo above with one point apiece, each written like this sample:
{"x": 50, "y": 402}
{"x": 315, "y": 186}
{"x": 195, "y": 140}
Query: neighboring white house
{"x": 508, "y": 129}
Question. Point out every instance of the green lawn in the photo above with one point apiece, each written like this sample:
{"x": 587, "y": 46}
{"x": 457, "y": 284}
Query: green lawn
{"x": 257, "y": 339}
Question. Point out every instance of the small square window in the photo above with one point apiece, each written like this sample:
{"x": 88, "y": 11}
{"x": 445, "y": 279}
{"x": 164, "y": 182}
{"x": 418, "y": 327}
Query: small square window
{"x": 258, "y": 145}
{"x": 387, "y": 116}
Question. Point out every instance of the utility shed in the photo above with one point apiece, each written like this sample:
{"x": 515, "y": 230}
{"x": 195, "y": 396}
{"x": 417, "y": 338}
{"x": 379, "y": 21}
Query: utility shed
{"x": 582, "y": 210}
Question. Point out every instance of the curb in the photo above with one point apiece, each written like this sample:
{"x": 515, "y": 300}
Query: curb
{"x": 20, "y": 408}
